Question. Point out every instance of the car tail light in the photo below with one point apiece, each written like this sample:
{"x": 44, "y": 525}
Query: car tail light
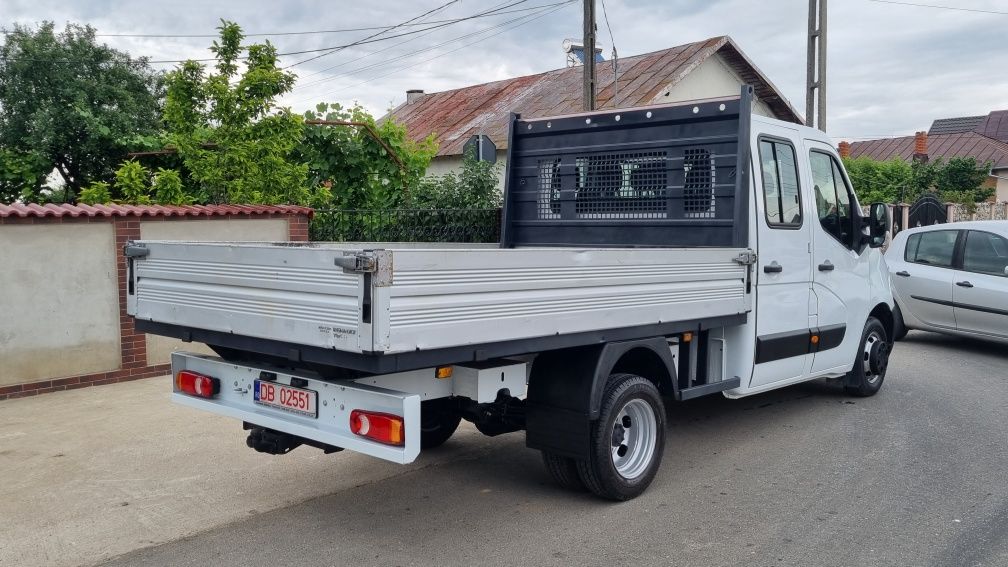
{"x": 381, "y": 427}
{"x": 196, "y": 384}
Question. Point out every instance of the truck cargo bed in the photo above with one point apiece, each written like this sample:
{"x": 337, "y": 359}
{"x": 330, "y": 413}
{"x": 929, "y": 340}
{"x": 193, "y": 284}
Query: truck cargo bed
{"x": 408, "y": 299}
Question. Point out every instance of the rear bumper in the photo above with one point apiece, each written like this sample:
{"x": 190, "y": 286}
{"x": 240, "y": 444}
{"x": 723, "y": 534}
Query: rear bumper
{"x": 336, "y": 399}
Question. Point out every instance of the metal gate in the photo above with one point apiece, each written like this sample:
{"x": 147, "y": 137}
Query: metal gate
{"x": 926, "y": 211}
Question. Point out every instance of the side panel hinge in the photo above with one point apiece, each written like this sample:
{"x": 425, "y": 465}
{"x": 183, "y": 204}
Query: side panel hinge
{"x": 747, "y": 258}
{"x": 376, "y": 262}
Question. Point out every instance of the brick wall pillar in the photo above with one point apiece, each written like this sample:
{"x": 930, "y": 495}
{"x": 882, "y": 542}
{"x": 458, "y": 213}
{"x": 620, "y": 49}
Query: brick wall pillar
{"x": 132, "y": 345}
{"x": 297, "y": 226}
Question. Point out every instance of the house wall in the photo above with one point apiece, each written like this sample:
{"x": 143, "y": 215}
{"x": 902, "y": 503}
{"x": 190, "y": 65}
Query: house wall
{"x": 1001, "y": 185}
{"x": 713, "y": 78}
{"x": 447, "y": 164}
{"x": 59, "y": 301}
{"x": 159, "y": 348}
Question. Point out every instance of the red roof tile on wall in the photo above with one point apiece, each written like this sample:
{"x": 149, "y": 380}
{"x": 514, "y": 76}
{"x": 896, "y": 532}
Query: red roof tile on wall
{"x": 113, "y": 210}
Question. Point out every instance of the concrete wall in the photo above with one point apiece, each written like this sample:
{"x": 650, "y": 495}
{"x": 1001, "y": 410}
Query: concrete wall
{"x": 159, "y": 348}
{"x": 60, "y": 301}
{"x": 1001, "y": 181}
{"x": 713, "y": 78}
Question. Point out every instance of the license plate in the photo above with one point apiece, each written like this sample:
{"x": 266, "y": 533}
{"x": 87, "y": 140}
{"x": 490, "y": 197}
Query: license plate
{"x": 287, "y": 398}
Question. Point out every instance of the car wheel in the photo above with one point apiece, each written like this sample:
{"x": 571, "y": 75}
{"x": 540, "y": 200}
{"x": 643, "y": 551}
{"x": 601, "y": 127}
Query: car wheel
{"x": 872, "y": 361}
{"x": 627, "y": 441}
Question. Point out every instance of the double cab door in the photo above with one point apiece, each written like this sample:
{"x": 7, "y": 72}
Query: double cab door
{"x": 812, "y": 276}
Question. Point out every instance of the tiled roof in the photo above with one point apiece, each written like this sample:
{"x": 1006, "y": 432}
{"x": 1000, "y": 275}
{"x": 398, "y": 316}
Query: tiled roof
{"x": 964, "y": 144}
{"x": 995, "y": 126}
{"x": 456, "y": 115}
{"x": 64, "y": 210}
{"x": 955, "y": 125}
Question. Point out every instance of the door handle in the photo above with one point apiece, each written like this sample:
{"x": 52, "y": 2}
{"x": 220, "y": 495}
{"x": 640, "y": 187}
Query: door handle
{"x": 903, "y": 273}
{"x": 826, "y": 266}
{"x": 964, "y": 284}
{"x": 773, "y": 268}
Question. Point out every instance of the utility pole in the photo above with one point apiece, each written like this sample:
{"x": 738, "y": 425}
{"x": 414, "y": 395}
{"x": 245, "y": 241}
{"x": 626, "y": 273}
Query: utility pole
{"x": 815, "y": 78}
{"x": 589, "y": 55}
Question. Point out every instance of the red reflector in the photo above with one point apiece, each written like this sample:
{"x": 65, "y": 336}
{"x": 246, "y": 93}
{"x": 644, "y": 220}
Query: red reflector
{"x": 381, "y": 427}
{"x": 196, "y": 384}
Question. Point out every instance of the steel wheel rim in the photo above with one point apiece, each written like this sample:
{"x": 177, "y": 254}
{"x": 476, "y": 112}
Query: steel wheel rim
{"x": 634, "y": 437}
{"x": 873, "y": 369}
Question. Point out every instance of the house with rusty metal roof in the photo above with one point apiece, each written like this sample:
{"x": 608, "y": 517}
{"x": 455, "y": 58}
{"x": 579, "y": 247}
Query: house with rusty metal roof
{"x": 715, "y": 67}
{"x": 984, "y": 138}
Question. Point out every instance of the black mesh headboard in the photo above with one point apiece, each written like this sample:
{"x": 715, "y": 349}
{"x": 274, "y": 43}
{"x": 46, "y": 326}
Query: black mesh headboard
{"x": 673, "y": 175}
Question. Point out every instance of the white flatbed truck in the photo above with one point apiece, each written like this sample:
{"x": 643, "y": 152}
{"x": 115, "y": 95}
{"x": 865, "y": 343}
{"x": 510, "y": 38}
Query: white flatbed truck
{"x": 648, "y": 256}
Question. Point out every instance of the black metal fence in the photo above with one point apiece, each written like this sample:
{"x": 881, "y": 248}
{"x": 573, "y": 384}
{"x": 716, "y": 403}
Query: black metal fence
{"x": 406, "y": 225}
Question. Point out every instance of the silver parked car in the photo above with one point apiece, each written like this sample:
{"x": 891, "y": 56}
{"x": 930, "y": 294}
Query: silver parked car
{"x": 952, "y": 278}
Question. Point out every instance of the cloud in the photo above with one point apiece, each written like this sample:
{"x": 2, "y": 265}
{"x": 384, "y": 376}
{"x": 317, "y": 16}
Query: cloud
{"x": 892, "y": 69}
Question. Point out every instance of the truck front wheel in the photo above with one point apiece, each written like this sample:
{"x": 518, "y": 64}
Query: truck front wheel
{"x": 627, "y": 441}
{"x": 872, "y": 361}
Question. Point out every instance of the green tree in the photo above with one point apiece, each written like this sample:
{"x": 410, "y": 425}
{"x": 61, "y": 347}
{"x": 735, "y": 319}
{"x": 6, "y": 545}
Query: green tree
{"x": 95, "y": 194}
{"x": 132, "y": 181}
{"x": 168, "y": 188}
{"x": 472, "y": 187}
{"x": 70, "y": 104}
{"x": 355, "y": 162}
{"x": 957, "y": 180}
{"x": 236, "y": 145}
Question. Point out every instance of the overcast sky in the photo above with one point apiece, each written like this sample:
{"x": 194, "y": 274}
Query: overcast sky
{"x": 892, "y": 68}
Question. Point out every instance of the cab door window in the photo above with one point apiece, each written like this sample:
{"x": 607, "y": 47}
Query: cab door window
{"x": 781, "y": 194}
{"x": 833, "y": 198}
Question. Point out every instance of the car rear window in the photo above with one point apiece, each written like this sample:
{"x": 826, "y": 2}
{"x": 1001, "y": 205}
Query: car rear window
{"x": 934, "y": 248}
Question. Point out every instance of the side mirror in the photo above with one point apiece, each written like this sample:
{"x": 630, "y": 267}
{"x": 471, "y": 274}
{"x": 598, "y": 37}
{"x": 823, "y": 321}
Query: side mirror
{"x": 878, "y": 224}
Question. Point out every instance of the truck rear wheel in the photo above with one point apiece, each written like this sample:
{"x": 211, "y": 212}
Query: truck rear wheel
{"x": 872, "y": 361}
{"x": 627, "y": 441}
{"x": 438, "y": 421}
{"x": 564, "y": 471}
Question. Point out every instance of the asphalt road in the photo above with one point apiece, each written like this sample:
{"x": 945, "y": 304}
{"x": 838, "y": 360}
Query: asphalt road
{"x": 917, "y": 475}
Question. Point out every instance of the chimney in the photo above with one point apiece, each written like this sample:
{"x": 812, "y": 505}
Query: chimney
{"x": 414, "y": 95}
{"x": 844, "y": 149}
{"x": 920, "y": 147}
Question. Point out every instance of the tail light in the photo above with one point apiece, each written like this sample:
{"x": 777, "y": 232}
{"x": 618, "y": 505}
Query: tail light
{"x": 196, "y": 384}
{"x": 381, "y": 427}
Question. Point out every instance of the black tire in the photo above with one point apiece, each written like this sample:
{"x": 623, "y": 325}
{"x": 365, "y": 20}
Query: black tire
{"x": 871, "y": 361}
{"x": 600, "y": 472}
{"x": 438, "y": 421}
{"x": 564, "y": 471}
{"x": 899, "y": 327}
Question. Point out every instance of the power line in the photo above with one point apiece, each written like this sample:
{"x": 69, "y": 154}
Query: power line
{"x": 374, "y": 35}
{"x": 279, "y": 34}
{"x": 542, "y": 8}
{"x": 615, "y": 58}
{"x": 529, "y": 18}
{"x": 956, "y": 8}
{"x": 331, "y": 49}
{"x": 393, "y": 46}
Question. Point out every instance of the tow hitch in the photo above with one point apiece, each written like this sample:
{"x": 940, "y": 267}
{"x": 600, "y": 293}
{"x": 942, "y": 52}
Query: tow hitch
{"x": 278, "y": 443}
